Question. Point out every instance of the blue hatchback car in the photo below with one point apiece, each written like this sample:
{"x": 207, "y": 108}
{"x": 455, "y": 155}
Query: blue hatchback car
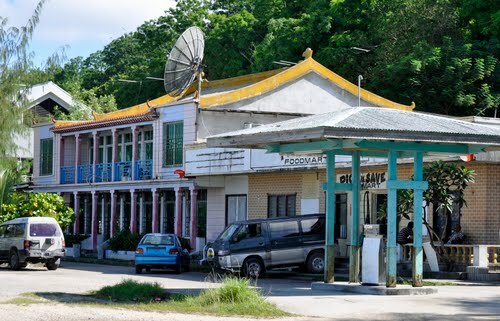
{"x": 161, "y": 251}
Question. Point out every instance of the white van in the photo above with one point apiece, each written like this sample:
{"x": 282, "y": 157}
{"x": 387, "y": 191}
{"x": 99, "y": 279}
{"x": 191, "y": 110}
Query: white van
{"x": 31, "y": 240}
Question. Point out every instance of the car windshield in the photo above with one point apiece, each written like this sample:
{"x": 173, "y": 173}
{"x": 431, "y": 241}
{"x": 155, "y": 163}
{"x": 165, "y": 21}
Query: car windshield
{"x": 228, "y": 232}
{"x": 44, "y": 229}
{"x": 158, "y": 240}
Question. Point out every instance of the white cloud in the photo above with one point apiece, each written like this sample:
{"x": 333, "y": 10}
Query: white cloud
{"x": 71, "y": 21}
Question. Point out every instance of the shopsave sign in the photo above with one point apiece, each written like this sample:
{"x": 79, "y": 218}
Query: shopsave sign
{"x": 370, "y": 180}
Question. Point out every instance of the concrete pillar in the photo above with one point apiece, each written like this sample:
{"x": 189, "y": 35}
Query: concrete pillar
{"x": 95, "y": 137}
{"x": 135, "y": 135}
{"x": 481, "y": 256}
{"x": 86, "y": 227}
{"x": 61, "y": 151}
{"x": 355, "y": 246}
{"x": 162, "y": 214}
{"x": 330, "y": 219}
{"x": 193, "y": 231}
{"x": 142, "y": 215}
{"x": 178, "y": 211}
{"x": 392, "y": 221}
{"x": 418, "y": 212}
{"x": 122, "y": 212}
{"x": 76, "y": 201}
{"x": 103, "y": 216}
{"x": 154, "y": 204}
{"x": 78, "y": 142}
{"x": 94, "y": 223}
{"x": 112, "y": 223}
{"x": 133, "y": 207}
{"x": 114, "y": 154}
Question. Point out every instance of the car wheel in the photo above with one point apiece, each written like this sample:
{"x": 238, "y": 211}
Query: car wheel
{"x": 316, "y": 263}
{"x": 253, "y": 268}
{"x": 138, "y": 269}
{"x": 52, "y": 265}
{"x": 14, "y": 260}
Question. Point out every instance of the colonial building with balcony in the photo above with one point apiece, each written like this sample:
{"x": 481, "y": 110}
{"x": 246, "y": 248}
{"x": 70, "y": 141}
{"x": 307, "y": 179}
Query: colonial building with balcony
{"x": 147, "y": 167}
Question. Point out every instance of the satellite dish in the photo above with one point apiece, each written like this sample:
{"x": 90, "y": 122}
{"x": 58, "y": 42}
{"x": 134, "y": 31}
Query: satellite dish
{"x": 184, "y": 61}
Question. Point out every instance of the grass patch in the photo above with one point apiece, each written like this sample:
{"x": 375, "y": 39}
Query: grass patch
{"x": 131, "y": 291}
{"x": 25, "y": 299}
{"x": 234, "y": 297}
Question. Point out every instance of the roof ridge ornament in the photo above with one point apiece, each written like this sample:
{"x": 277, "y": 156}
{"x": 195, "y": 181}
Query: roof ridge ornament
{"x": 308, "y": 53}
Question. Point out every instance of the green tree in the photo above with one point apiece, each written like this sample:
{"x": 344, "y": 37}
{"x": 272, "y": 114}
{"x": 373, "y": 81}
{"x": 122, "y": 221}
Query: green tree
{"x": 37, "y": 204}
{"x": 15, "y": 62}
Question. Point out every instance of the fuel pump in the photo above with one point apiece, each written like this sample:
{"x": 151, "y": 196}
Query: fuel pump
{"x": 373, "y": 264}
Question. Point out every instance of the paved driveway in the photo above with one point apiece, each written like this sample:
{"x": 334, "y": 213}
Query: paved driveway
{"x": 451, "y": 302}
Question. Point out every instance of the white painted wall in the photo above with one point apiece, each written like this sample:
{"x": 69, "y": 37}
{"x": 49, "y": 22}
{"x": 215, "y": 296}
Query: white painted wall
{"x": 216, "y": 212}
{"x": 309, "y": 94}
{"x": 42, "y": 132}
{"x": 236, "y": 184}
{"x": 184, "y": 112}
{"x": 24, "y": 143}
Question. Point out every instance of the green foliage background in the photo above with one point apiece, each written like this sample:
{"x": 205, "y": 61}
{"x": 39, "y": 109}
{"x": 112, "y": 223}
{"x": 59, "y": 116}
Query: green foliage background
{"x": 442, "y": 54}
{"x": 39, "y": 204}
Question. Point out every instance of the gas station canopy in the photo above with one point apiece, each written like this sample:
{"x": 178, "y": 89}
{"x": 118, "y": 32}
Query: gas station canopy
{"x": 358, "y": 125}
{"x": 376, "y": 132}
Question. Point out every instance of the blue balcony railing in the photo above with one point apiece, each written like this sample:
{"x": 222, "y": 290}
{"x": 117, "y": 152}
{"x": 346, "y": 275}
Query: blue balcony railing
{"x": 123, "y": 171}
{"x": 85, "y": 173}
{"x": 143, "y": 169}
{"x": 68, "y": 175}
{"x": 103, "y": 172}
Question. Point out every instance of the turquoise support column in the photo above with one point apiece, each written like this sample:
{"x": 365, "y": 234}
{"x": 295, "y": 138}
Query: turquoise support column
{"x": 354, "y": 254}
{"x": 417, "y": 258}
{"x": 392, "y": 221}
{"x": 330, "y": 218}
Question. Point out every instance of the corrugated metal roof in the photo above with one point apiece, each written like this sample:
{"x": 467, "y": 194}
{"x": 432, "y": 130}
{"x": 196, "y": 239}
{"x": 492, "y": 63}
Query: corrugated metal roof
{"x": 369, "y": 122}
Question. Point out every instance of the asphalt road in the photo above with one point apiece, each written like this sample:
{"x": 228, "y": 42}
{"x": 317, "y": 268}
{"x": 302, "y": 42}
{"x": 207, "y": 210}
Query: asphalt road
{"x": 468, "y": 302}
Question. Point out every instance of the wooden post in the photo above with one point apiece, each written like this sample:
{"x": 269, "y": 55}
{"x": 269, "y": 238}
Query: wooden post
{"x": 355, "y": 248}
{"x": 417, "y": 257}
{"x": 392, "y": 221}
{"x": 330, "y": 219}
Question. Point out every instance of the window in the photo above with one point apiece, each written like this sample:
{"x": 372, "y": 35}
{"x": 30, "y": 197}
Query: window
{"x": 172, "y": 143}
{"x": 236, "y": 208}
{"x": 44, "y": 229}
{"x": 145, "y": 145}
{"x": 284, "y": 229}
{"x": 158, "y": 240}
{"x": 46, "y": 157}
{"x": 280, "y": 205}
{"x": 249, "y": 231}
{"x": 313, "y": 226}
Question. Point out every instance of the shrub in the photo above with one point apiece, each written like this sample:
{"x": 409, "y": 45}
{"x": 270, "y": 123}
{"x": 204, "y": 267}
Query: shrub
{"x": 37, "y": 204}
{"x": 71, "y": 239}
{"x": 233, "y": 290}
{"x": 129, "y": 290}
{"x": 185, "y": 243}
{"x": 124, "y": 241}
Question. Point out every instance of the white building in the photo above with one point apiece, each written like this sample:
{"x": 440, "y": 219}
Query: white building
{"x": 147, "y": 167}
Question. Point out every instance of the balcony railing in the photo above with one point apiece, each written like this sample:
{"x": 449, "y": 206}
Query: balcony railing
{"x": 123, "y": 171}
{"x": 143, "y": 170}
{"x": 85, "y": 173}
{"x": 68, "y": 175}
{"x": 103, "y": 172}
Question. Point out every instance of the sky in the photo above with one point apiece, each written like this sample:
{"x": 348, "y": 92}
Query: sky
{"x": 81, "y": 26}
